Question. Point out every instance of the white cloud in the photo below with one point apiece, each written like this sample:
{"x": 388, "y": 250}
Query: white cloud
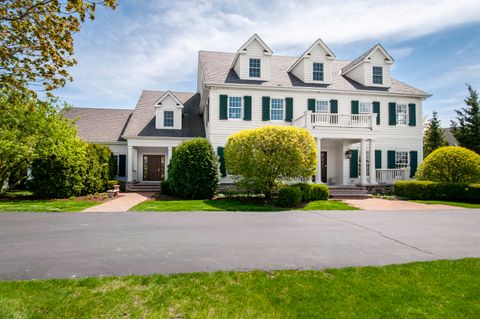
{"x": 156, "y": 46}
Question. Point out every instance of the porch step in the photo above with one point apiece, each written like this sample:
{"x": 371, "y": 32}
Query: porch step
{"x": 352, "y": 192}
{"x": 140, "y": 187}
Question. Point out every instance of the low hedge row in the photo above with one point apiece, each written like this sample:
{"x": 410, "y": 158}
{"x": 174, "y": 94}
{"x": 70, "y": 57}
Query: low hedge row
{"x": 426, "y": 190}
{"x": 293, "y": 195}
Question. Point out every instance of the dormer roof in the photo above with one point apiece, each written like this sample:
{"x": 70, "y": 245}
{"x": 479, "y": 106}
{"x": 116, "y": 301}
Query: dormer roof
{"x": 330, "y": 54}
{"x": 158, "y": 103}
{"x": 243, "y": 48}
{"x": 365, "y": 56}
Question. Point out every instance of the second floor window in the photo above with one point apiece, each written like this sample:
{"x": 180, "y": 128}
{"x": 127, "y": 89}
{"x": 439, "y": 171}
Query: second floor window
{"x": 234, "y": 107}
{"x": 377, "y": 73}
{"x": 365, "y": 107}
{"x": 254, "y": 68}
{"x": 401, "y": 159}
{"x": 276, "y": 110}
{"x": 168, "y": 118}
{"x": 402, "y": 114}
{"x": 321, "y": 106}
{"x": 318, "y": 71}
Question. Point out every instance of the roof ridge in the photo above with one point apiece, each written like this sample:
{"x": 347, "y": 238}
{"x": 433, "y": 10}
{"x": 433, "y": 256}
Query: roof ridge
{"x": 98, "y": 108}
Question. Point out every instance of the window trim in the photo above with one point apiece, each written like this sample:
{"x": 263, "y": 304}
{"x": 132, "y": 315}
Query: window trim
{"x": 406, "y": 113}
{"x": 400, "y": 166}
{"x": 316, "y": 106}
{"x": 370, "y": 107}
{"x": 377, "y": 75}
{"x": 241, "y": 107}
{"x": 165, "y": 118}
{"x": 321, "y": 72}
{"x": 259, "y": 68}
{"x": 283, "y": 108}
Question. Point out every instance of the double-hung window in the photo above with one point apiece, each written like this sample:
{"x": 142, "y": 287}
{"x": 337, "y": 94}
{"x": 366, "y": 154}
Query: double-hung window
{"x": 402, "y": 114}
{"x": 401, "y": 159}
{"x": 254, "y": 68}
{"x": 168, "y": 118}
{"x": 365, "y": 107}
{"x": 377, "y": 73}
{"x": 321, "y": 106}
{"x": 318, "y": 71}
{"x": 277, "y": 110}
{"x": 234, "y": 107}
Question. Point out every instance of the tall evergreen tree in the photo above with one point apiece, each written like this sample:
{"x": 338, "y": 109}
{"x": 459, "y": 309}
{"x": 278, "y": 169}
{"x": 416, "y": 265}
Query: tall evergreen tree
{"x": 466, "y": 129}
{"x": 433, "y": 137}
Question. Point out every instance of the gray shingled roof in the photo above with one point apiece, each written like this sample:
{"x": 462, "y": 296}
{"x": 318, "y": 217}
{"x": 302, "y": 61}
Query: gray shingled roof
{"x": 99, "y": 125}
{"x": 142, "y": 122}
{"x": 354, "y": 63}
{"x": 216, "y": 69}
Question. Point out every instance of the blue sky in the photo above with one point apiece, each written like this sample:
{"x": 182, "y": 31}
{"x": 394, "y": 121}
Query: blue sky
{"x": 153, "y": 44}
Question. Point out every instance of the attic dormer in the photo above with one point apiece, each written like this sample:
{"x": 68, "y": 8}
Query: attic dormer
{"x": 315, "y": 64}
{"x": 371, "y": 68}
{"x": 252, "y": 61}
{"x": 168, "y": 112}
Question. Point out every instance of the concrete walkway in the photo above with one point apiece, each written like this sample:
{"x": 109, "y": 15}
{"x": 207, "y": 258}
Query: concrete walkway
{"x": 121, "y": 203}
{"x": 387, "y": 204}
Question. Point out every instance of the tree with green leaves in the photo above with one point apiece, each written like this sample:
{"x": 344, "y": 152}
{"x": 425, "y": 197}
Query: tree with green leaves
{"x": 36, "y": 41}
{"x": 433, "y": 137}
{"x": 466, "y": 128}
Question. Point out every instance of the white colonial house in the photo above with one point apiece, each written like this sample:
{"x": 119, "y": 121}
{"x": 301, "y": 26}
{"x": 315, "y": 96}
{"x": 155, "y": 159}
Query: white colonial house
{"x": 368, "y": 125}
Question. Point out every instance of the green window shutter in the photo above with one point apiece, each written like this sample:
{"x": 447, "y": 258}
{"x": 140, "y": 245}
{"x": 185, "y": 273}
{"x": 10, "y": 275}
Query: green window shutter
{"x": 412, "y": 114}
{"x": 223, "y": 107}
{"x": 311, "y": 105}
{"x": 333, "y": 106}
{"x": 354, "y": 164}
{"x": 265, "y": 108}
{"x": 354, "y": 107}
{"x": 392, "y": 113}
{"x": 221, "y": 158}
{"x": 391, "y": 159}
{"x": 288, "y": 109}
{"x": 247, "y": 108}
{"x": 378, "y": 159}
{"x": 376, "y": 109}
{"x": 413, "y": 162}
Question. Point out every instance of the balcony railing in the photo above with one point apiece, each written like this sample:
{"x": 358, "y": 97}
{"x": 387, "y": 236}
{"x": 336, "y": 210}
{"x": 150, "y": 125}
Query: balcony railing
{"x": 388, "y": 176}
{"x": 312, "y": 120}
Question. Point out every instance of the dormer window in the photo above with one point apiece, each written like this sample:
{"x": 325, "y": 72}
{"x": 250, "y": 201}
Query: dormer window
{"x": 377, "y": 73}
{"x": 168, "y": 118}
{"x": 254, "y": 68}
{"x": 318, "y": 72}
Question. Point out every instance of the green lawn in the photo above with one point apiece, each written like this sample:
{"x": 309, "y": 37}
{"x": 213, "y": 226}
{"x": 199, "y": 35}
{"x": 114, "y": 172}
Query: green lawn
{"x": 458, "y": 204}
{"x": 227, "y": 205}
{"x": 32, "y": 205}
{"x": 439, "y": 289}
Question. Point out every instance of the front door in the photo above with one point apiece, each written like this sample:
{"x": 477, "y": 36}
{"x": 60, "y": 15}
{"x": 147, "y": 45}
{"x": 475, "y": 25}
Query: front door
{"x": 323, "y": 165}
{"x": 153, "y": 167}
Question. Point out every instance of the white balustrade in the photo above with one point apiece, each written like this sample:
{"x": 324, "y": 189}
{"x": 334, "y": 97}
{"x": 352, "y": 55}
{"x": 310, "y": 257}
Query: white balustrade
{"x": 388, "y": 176}
{"x": 315, "y": 119}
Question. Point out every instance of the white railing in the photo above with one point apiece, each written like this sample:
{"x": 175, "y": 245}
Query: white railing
{"x": 313, "y": 119}
{"x": 388, "y": 176}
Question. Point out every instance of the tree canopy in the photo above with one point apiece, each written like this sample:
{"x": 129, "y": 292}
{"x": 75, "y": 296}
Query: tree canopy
{"x": 466, "y": 128}
{"x": 36, "y": 41}
{"x": 433, "y": 137}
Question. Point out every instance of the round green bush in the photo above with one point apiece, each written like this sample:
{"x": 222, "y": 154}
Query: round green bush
{"x": 290, "y": 196}
{"x": 452, "y": 164}
{"x": 319, "y": 192}
{"x": 193, "y": 171}
{"x": 306, "y": 191}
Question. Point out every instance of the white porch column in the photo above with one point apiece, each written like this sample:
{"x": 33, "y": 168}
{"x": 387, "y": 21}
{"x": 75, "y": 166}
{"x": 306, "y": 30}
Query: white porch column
{"x": 169, "y": 157}
{"x": 130, "y": 164}
{"x": 363, "y": 163}
{"x": 318, "y": 175}
{"x": 373, "y": 174}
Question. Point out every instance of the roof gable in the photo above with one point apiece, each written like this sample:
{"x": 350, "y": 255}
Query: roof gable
{"x": 244, "y": 47}
{"x": 166, "y": 95}
{"x": 365, "y": 56}
{"x": 319, "y": 42}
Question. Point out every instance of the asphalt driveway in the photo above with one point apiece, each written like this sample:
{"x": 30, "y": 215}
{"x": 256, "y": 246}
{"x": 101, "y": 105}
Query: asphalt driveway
{"x": 51, "y": 245}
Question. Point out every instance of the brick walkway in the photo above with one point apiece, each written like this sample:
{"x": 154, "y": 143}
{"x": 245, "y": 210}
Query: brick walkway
{"x": 121, "y": 203}
{"x": 386, "y": 204}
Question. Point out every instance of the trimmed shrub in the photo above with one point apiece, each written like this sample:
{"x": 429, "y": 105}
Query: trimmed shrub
{"x": 164, "y": 188}
{"x": 319, "y": 192}
{"x": 290, "y": 196}
{"x": 306, "y": 191}
{"x": 426, "y": 190}
{"x": 193, "y": 171}
{"x": 453, "y": 164}
{"x": 97, "y": 169}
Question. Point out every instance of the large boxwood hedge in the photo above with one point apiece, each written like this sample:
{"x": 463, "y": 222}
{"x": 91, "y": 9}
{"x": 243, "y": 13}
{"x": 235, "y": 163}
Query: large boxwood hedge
{"x": 427, "y": 190}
